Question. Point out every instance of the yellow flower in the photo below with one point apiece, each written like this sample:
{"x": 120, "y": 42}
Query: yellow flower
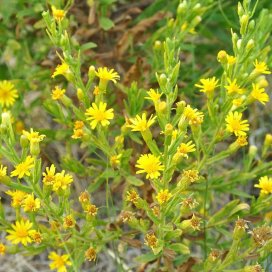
{"x": 106, "y": 74}
{"x": 8, "y": 93}
{"x": 132, "y": 196}
{"x": 3, "y": 171}
{"x": 20, "y": 233}
{"x": 184, "y": 149}
{"x": 33, "y": 136}
{"x": 69, "y": 222}
{"x": 150, "y": 165}
{"x": 61, "y": 181}
{"x": 57, "y": 93}
{"x": 17, "y": 198}
{"x": 233, "y": 87}
{"x": 153, "y": 95}
{"x": 265, "y": 184}
{"x": 36, "y": 236}
{"x": 59, "y": 262}
{"x": 31, "y": 204}
{"x": 141, "y": 123}
{"x": 90, "y": 254}
{"x": 78, "y": 124}
{"x": 163, "y": 196}
{"x": 151, "y": 240}
{"x": 49, "y": 175}
{"x": 58, "y": 14}
{"x": 61, "y": 69}
{"x": 231, "y": 59}
{"x": 22, "y": 169}
{"x": 194, "y": 116}
{"x": 261, "y": 68}
{"x": 236, "y": 125}
{"x": 237, "y": 102}
{"x": 78, "y": 134}
{"x": 115, "y": 160}
{"x": 91, "y": 210}
{"x": 208, "y": 85}
{"x": 259, "y": 94}
{"x": 99, "y": 114}
{"x": 2, "y": 249}
{"x": 242, "y": 140}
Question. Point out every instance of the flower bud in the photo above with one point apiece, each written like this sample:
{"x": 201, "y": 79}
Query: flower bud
{"x": 253, "y": 151}
{"x": 91, "y": 73}
{"x": 157, "y": 45}
{"x": 240, "y": 229}
{"x": 251, "y": 25}
{"x": 250, "y": 45}
{"x": 162, "y": 107}
{"x": 239, "y": 43}
{"x": 222, "y": 56}
{"x": 6, "y": 119}
{"x": 240, "y": 10}
{"x": 244, "y": 22}
{"x": 24, "y": 141}
{"x": 182, "y": 7}
{"x": 268, "y": 140}
{"x": 253, "y": 268}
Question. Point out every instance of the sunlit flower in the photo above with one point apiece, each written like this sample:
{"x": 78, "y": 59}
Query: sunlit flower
{"x": 8, "y": 93}
{"x": 17, "y": 198}
{"x": 237, "y": 102}
{"x": 61, "y": 69}
{"x": 265, "y": 184}
{"x": 3, "y": 171}
{"x": 91, "y": 210}
{"x": 49, "y": 175}
{"x": 57, "y": 93}
{"x": 69, "y": 221}
{"x": 150, "y": 165}
{"x": 58, "y": 14}
{"x": 30, "y": 203}
{"x": 236, "y": 125}
{"x": 78, "y": 124}
{"x": 36, "y": 236}
{"x": 231, "y": 59}
{"x": 259, "y": 94}
{"x": 242, "y": 141}
{"x": 194, "y": 116}
{"x": 23, "y": 168}
{"x": 132, "y": 196}
{"x": 190, "y": 175}
{"x": 261, "y": 67}
{"x": 195, "y": 222}
{"x": 186, "y": 148}
{"x": 107, "y": 74}
{"x": 151, "y": 240}
{"x": 115, "y": 160}
{"x": 153, "y": 95}
{"x": 163, "y": 196}
{"x": 208, "y": 85}
{"x": 2, "y": 249}
{"x": 90, "y": 254}
{"x": 33, "y": 136}
{"x": 233, "y": 87}
{"x": 61, "y": 181}
{"x": 84, "y": 197}
{"x": 99, "y": 115}
{"x": 20, "y": 232}
{"x": 141, "y": 123}
{"x": 78, "y": 134}
{"x": 59, "y": 262}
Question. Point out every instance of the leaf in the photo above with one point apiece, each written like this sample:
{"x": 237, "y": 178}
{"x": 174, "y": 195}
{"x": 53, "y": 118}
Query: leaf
{"x": 146, "y": 258}
{"x": 87, "y": 46}
{"x": 180, "y": 248}
{"x": 135, "y": 181}
{"x": 106, "y": 23}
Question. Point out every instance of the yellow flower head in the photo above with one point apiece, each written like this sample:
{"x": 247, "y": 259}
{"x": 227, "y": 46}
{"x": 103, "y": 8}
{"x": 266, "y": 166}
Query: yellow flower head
{"x": 49, "y": 175}
{"x": 115, "y": 160}
{"x": 61, "y": 69}
{"x": 236, "y": 125}
{"x": 90, "y": 254}
{"x": 2, "y": 249}
{"x": 99, "y": 115}
{"x": 163, "y": 196}
{"x": 184, "y": 149}
{"x": 107, "y": 75}
{"x": 151, "y": 240}
{"x": 30, "y": 203}
{"x": 91, "y": 210}
{"x": 78, "y": 124}
{"x": 242, "y": 141}
{"x": 20, "y": 233}
{"x": 194, "y": 116}
{"x": 57, "y": 93}
{"x": 8, "y": 93}
{"x": 69, "y": 222}
{"x": 59, "y": 262}
{"x": 33, "y": 136}
{"x": 78, "y": 134}
{"x": 3, "y": 171}
{"x": 261, "y": 67}
{"x": 208, "y": 85}
{"x": 58, "y": 14}
{"x": 23, "y": 168}
{"x": 141, "y": 123}
{"x": 17, "y": 198}
{"x": 153, "y": 95}
{"x": 265, "y": 184}
{"x": 150, "y": 165}
{"x": 233, "y": 87}
{"x": 36, "y": 236}
{"x": 237, "y": 102}
{"x": 259, "y": 94}
{"x": 132, "y": 196}
{"x": 61, "y": 181}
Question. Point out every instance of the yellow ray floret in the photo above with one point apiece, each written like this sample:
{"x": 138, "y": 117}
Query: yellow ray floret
{"x": 265, "y": 184}
{"x": 8, "y": 93}
{"x": 23, "y": 168}
{"x": 59, "y": 262}
{"x": 141, "y": 123}
{"x": 259, "y": 94}
{"x": 208, "y": 85}
{"x": 107, "y": 74}
{"x": 99, "y": 115}
{"x": 236, "y": 125}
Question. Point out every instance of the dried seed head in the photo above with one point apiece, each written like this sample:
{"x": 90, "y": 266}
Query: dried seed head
{"x": 262, "y": 235}
{"x": 151, "y": 240}
{"x": 90, "y": 254}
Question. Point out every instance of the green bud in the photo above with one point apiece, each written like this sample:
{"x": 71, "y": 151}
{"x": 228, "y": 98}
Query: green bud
{"x": 251, "y": 25}
{"x": 250, "y": 45}
{"x": 157, "y": 45}
{"x": 244, "y": 22}
{"x": 91, "y": 72}
{"x": 182, "y": 7}
{"x": 34, "y": 148}
{"x": 6, "y": 119}
{"x": 24, "y": 141}
{"x": 240, "y": 10}
{"x": 239, "y": 43}
{"x": 253, "y": 151}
